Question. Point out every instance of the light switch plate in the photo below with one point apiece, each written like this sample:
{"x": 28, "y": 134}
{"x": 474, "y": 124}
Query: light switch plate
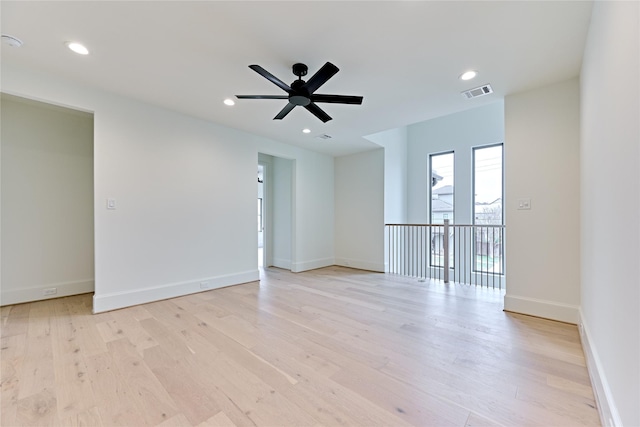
{"x": 111, "y": 203}
{"x": 524, "y": 204}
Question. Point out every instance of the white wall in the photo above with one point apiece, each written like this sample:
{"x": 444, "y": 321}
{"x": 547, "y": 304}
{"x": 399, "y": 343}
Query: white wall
{"x": 359, "y": 210}
{"x": 47, "y": 200}
{"x": 542, "y": 133}
{"x": 183, "y": 205}
{"x": 313, "y": 224}
{"x": 610, "y": 206}
{"x": 185, "y": 193}
{"x": 459, "y": 132}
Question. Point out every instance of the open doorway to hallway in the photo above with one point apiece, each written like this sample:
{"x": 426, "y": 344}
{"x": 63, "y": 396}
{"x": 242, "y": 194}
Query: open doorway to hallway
{"x": 260, "y": 216}
{"x": 275, "y": 211}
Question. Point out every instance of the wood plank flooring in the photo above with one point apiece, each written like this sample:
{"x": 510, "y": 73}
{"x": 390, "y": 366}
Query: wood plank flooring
{"x": 331, "y": 347}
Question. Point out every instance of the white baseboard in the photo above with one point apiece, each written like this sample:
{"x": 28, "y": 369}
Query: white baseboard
{"x": 542, "y": 308}
{"x": 116, "y": 300}
{"x": 360, "y": 264}
{"x": 609, "y": 415}
{"x": 298, "y": 267}
{"x": 64, "y": 289}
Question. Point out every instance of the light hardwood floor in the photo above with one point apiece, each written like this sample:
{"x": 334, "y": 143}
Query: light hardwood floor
{"x": 334, "y": 346}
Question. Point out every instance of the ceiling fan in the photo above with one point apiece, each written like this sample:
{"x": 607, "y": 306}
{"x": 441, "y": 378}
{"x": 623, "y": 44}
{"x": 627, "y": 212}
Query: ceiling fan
{"x": 301, "y": 93}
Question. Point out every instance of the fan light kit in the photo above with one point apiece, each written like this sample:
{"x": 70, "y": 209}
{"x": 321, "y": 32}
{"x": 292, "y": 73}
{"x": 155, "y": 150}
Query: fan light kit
{"x": 301, "y": 93}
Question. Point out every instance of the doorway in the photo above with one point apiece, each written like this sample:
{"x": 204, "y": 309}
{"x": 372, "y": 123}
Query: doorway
{"x": 275, "y": 211}
{"x": 47, "y": 201}
{"x": 261, "y": 262}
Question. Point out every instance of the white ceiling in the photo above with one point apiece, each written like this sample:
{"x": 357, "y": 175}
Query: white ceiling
{"x": 403, "y": 57}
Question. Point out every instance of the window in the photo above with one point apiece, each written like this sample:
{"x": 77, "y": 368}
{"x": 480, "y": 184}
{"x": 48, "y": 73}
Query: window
{"x": 488, "y": 194}
{"x": 441, "y": 206}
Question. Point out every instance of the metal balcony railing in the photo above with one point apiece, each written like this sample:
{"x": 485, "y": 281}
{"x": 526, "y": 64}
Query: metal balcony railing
{"x": 472, "y": 254}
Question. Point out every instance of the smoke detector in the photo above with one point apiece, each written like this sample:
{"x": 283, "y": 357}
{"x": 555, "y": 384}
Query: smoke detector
{"x": 11, "y": 40}
{"x": 478, "y": 91}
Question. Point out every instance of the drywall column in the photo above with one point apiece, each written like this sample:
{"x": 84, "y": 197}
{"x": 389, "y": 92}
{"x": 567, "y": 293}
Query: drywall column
{"x": 542, "y": 165}
{"x": 394, "y": 142}
{"x": 282, "y": 206}
{"x": 610, "y": 206}
{"x": 359, "y": 210}
{"x": 47, "y": 201}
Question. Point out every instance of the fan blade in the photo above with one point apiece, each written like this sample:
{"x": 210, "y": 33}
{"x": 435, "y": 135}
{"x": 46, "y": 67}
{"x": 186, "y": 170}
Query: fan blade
{"x": 273, "y": 79}
{"x": 317, "y": 111}
{"x": 286, "y": 110}
{"x": 262, "y": 96}
{"x": 319, "y": 78}
{"x": 337, "y": 99}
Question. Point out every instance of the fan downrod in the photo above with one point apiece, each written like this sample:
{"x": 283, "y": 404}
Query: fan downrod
{"x": 300, "y": 70}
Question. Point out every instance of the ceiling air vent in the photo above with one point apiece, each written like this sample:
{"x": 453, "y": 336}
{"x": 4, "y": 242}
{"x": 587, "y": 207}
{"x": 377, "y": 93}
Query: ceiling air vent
{"x": 324, "y": 136}
{"x": 478, "y": 91}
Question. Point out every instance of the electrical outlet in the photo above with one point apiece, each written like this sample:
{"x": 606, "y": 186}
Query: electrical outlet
{"x": 49, "y": 291}
{"x": 204, "y": 285}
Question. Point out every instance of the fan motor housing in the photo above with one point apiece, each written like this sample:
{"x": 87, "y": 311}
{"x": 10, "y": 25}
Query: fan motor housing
{"x": 300, "y": 95}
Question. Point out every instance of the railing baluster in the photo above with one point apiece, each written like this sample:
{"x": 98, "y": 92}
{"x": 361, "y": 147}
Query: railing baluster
{"x": 493, "y": 258}
{"x": 410, "y": 251}
{"x": 395, "y": 249}
{"x": 446, "y": 250}
{"x": 387, "y": 233}
{"x": 482, "y": 264}
{"x": 421, "y": 250}
{"x": 483, "y": 274}
{"x": 475, "y": 256}
{"x": 406, "y": 250}
{"x": 392, "y": 230}
{"x": 413, "y": 250}
{"x": 464, "y": 258}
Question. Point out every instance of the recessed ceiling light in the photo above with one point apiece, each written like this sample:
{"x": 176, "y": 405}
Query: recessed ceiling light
{"x": 77, "y": 48}
{"x": 11, "y": 40}
{"x": 229, "y": 102}
{"x": 306, "y": 130}
{"x": 468, "y": 75}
